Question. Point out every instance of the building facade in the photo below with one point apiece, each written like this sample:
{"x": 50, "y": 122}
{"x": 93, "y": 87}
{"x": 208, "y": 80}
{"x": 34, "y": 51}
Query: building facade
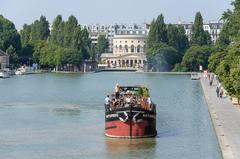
{"x": 4, "y": 60}
{"x": 213, "y": 28}
{"x": 109, "y": 31}
{"x": 127, "y": 43}
{"x": 129, "y": 50}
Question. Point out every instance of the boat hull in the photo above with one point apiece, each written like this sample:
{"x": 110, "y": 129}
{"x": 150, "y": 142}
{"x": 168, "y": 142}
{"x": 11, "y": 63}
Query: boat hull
{"x": 130, "y": 122}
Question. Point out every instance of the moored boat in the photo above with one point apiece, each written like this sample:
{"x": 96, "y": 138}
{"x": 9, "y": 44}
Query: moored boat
{"x": 24, "y": 70}
{"x": 195, "y": 76}
{"x": 131, "y": 114}
{"x": 4, "y": 74}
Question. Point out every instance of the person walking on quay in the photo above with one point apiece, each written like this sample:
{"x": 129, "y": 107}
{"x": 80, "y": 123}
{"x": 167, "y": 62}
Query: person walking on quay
{"x": 221, "y": 93}
{"x": 217, "y": 91}
{"x": 210, "y": 83}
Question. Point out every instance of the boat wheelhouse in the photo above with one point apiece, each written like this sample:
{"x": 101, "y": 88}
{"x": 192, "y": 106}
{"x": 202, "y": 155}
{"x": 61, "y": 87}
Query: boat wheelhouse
{"x": 130, "y": 113}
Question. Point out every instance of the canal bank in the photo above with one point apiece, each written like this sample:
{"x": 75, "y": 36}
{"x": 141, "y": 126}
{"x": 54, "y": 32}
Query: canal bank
{"x": 226, "y": 120}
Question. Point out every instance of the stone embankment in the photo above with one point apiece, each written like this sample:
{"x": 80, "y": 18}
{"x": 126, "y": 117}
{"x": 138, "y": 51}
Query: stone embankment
{"x": 226, "y": 120}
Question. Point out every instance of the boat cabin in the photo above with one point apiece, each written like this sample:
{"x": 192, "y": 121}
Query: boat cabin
{"x": 135, "y": 96}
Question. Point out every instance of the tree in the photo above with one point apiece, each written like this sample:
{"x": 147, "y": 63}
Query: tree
{"x": 161, "y": 30}
{"x": 9, "y": 35}
{"x": 57, "y": 31}
{"x": 25, "y": 34}
{"x": 13, "y": 57}
{"x": 102, "y": 45}
{"x": 32, "y": 36}
{"x": 166, "y": 45}
{"x": 199, "y": 36}
{"x": 163, "y": 57}
{"x": 214, "y": 60}
{"x": 195, "y": 56}
{"x": 224, "y": 39}
{"x": 158, "y": 32}
{"x": 86, "y": 44}
{"x": 69, "y": 29}
{"x": 225, "y": 62}
{"x": 228, "y": 70}
{"x": 39, "y": 30}
{"x": 177, "y": 38}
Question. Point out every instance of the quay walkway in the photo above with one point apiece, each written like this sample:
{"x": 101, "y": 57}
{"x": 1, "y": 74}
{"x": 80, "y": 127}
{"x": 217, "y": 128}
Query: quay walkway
{"x": 226, "y": 120}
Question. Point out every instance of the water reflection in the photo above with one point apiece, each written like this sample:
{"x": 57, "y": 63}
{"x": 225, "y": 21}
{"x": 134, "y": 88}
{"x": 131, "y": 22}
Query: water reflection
{"x": 128, "y": 146}
{"x": 67, "y": 110}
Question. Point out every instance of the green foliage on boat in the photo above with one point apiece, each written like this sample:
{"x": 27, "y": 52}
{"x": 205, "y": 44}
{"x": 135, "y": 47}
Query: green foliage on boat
{"x": 143, "y": 91}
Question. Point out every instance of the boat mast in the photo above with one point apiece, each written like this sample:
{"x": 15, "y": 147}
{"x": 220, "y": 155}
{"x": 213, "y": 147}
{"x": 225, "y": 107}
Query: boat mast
{"x": 130, "y": 121}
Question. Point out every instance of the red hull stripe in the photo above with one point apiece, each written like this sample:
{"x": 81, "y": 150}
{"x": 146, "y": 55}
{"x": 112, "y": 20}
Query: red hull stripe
{"x": 122, "y": 129}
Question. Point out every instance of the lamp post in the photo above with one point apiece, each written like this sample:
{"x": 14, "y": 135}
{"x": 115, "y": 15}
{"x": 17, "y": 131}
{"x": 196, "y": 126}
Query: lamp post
{"x": 29, "y": 59}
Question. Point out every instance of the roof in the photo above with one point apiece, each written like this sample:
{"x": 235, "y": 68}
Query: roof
{"x": 2, "y": 53}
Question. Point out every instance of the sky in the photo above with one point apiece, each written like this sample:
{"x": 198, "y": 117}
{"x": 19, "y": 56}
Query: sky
{"x": 112, "y": 11}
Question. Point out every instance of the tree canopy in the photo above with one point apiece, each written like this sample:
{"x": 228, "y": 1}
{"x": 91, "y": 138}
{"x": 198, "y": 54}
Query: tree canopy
{"x": 8, "y": 35}
{"x": 165, "y": 45}
{"x": 66, "y": 44}
{"x": 196, "y": 56}
{"x": 199, "y": 36}
{"x": 225, "y": 62}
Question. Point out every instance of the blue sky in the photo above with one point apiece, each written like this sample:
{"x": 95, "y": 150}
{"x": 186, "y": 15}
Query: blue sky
{"x": 112, "y": 11}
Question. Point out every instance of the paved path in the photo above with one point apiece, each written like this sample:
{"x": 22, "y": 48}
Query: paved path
{"x": 226, "y": 120}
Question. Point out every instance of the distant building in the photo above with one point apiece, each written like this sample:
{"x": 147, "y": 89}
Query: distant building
{"x": 4, "y": 60}
{"x": 109, "y": 31}
{"x": 129, "y": 49}
{"x": 213, "y": 28}
{"x": 97, "y": 30}
{"x": 127, "y": 43}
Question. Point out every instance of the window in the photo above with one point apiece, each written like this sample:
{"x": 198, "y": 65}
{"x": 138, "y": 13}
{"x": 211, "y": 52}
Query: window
{"x": 132, "y": 48}
{"x": 138, "y": 48}
{"x": 126, "y": 48}
{"x": 120, "y": 48}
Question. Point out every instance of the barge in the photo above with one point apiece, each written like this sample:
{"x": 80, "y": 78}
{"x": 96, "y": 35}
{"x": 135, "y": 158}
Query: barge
{"x": 130, "y": 113}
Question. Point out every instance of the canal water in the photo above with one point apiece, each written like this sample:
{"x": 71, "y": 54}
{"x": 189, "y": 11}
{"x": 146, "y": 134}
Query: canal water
{"x": 61, "y": 116}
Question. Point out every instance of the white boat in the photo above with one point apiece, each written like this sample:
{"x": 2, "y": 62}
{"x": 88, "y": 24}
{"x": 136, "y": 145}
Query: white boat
{"x": 4, "y": 74}
{"x": 195, "y": 76}
{"x": 24, "y": 71}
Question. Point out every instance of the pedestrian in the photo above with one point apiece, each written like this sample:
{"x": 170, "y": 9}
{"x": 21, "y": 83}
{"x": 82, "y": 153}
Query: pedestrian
{"x": 219, "y": 85}
{"x": 210, "y": 83}
{"x": 217, "y": 91}
{"x": 149, "y": 102}
{"x": 212, "y": 77}
{"x": 221, "y": 93}
{"x": 117, "y": 91}
{"x": 107, "y": 103}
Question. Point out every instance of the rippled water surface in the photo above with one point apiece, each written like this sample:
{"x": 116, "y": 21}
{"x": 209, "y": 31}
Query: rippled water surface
{"x": 61, "y": 116}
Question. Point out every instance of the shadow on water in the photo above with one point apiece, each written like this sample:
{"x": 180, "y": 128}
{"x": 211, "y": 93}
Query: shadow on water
{"x": 67, "y": 111}
{"x": 128, "y": 146}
